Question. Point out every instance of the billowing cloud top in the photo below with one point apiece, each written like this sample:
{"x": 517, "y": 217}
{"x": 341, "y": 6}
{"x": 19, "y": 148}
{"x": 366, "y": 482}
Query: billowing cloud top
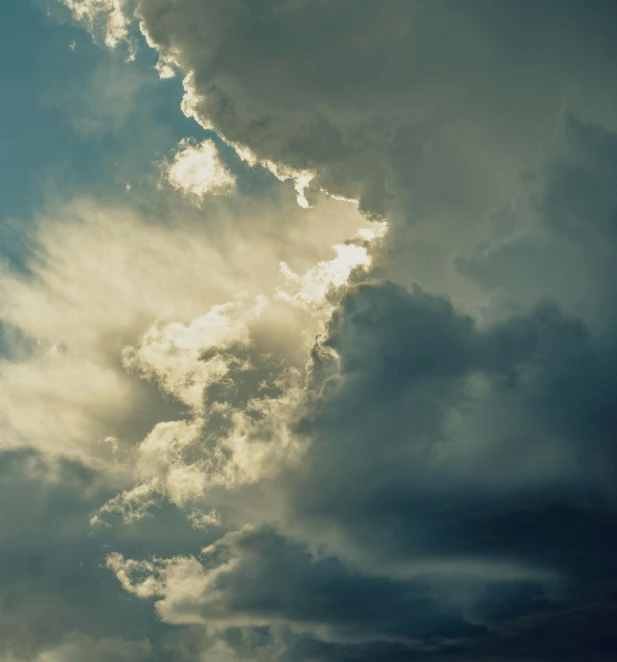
{"x": 334, "y": 378}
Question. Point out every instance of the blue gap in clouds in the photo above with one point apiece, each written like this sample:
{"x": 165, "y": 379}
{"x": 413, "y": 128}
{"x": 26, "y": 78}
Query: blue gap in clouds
{"x": 42, "y": 156}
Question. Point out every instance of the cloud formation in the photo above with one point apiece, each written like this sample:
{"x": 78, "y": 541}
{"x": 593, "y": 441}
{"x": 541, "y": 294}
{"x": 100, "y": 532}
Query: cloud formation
{"x": 198, "y": 171}
{"x": 330, "y": 439}
{"x": 382, "y": 103}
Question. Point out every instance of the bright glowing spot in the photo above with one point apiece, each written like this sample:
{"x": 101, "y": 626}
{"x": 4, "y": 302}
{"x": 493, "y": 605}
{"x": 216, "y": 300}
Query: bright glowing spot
{"x": 301, "y": 183}
{"x": 370, "y": 234}
{"x": 198, "y": 171}
{"x": 174, "y": 354}
{"x": 110, "y": 12}
{"x": 309, "y": 291}
{"x": 164, "y": 70}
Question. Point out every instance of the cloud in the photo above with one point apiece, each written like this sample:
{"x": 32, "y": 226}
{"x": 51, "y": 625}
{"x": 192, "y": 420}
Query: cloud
{"x": 263, "y": 578}
{"x": 198, "y": 171}
{"x": 107, "y": 13}
{"x": 173, "y": 354}
{"x": 99, "y": 278}
{"x": 237, "y": 435}
{"x": 50, "y": 583}
{"x": 557, "y": 237}
{"x": 381, "y": 470}
{"x": 312, "y": 288}
{"x": 440, "y": 461}
{"x": 370, "y": 107}
{"x": 94, "y": 281}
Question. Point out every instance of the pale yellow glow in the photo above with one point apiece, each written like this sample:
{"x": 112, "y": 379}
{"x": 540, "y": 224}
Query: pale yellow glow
{"x": 309, "y": 291}
{"x": 112, "y": 12}
{"x": 301, "y": 183}
{"x": 100, "y": 278}
{"x": 377, "y": 231}
{"x": 198, "y": 171}
{"x": 172, "y": 354}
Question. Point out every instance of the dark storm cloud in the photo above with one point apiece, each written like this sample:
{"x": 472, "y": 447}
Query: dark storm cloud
{"x": 48, "y": 572}
{"x": 436, "y": 441}
{"x": 293, "y": 586}
{"x": 506, "y": 517}
{"x": 474, "y": 454}
{"x": 456, "y": 501}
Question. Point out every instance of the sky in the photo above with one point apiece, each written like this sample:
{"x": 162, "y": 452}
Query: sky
{"x": 308, "y": 313}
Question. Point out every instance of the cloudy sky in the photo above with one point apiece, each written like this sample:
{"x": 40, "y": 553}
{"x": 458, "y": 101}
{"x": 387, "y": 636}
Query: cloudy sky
{"x": 308, "y": 321}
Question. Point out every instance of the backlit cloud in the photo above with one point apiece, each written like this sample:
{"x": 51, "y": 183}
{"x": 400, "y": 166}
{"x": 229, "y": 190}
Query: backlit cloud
{"x": 335, "y": 381}
{"x": 198, "y": 171}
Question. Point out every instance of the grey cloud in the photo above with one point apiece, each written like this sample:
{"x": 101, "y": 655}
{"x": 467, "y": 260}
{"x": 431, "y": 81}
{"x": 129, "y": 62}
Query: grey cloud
{"x": 558, "y": 237}
{"x": 257, "y": 577}
{"x": 455, "y": 502}
{"x": 56, "y": 596}
{"x": 391, "y": 102}
{"x": 421, "y": 394}
{"x": 439, "y": 448}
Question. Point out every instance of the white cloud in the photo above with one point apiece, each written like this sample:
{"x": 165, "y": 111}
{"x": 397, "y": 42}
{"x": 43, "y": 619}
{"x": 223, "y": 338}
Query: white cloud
{"x": 112, "y": 14}
{"x": 99, "y": 269}
{"x": 201, "y": 520}
{"x": 164, "y": 446}
{"x": 185, "y": 483}
{"x": 97, "y": 278}
{"x": 309, "y": 291}
{"x": 179, "y": 579}
{"x": 101, "y": 275}
{"x": 197, "y": 170}
{"x": 161, "y": 471}
{"x": 60, "y": 401}
{"x": 261, "y": 446}
{"x": 173, "y": 354}
{"x": 181, "y": 460}
{"x": 129, "y": 506}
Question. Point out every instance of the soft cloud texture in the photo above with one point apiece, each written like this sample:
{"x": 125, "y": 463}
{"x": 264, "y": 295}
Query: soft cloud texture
{"x": 198, "y": 171}
{"x": 557, "y": 237}
{"x": 109, "y": 13}
{"x": 99, "y": 277}
{"x": 326, "y": 439}
{"x": 378, "y": 101}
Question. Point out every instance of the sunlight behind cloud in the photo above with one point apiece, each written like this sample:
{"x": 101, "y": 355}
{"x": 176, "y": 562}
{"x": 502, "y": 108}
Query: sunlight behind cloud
{"x": 174, "y": 354}
{"x": 197, "y": 170}
{"x": 102, "y": 275}
{"x": 111, "y": 13}
{"x": 309, "y": 291}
